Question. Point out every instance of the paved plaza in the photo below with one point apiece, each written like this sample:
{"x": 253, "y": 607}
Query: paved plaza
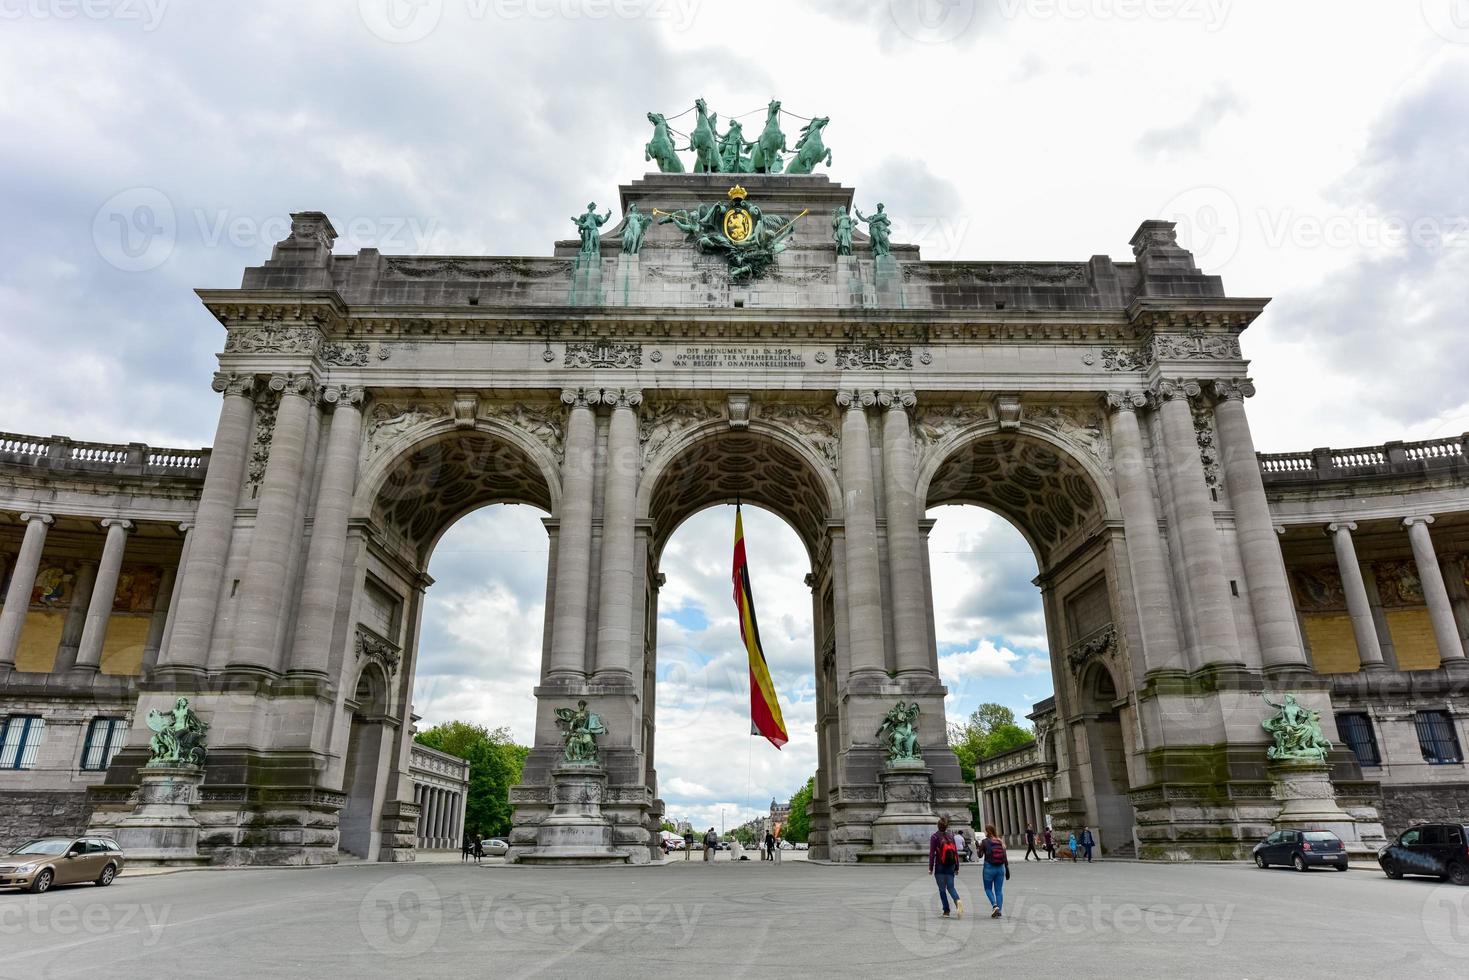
{"x": 795, "y": 919}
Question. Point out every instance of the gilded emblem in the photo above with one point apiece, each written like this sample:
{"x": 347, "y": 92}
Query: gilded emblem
{"x": 737, "y": 224}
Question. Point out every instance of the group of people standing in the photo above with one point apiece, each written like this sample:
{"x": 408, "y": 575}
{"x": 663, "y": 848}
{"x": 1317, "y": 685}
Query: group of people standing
{"x": 948, "y": 849}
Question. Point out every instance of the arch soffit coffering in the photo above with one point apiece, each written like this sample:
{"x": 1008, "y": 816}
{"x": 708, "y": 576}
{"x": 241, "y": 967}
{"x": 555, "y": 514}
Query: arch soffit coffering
{"x": 813, "y": 477}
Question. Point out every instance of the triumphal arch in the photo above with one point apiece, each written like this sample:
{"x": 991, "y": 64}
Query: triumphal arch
{"x": 746, "y": 331}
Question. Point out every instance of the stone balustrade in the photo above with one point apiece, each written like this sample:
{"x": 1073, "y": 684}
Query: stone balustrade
{"x": 111, "y": 459}
{"x": 1446, "y": 456}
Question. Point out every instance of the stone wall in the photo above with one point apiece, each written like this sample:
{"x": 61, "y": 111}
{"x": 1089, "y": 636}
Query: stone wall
{"x": 1403, "y": 806}
{"x": 28, "y": 814}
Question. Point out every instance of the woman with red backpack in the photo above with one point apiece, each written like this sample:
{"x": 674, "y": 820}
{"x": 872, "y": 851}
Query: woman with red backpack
{"x": 996, "y": 870}
{"x": 943, "y": 864}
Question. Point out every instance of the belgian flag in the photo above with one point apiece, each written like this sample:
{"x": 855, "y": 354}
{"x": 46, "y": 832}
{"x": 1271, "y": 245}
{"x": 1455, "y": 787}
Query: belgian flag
{"x": 765, "y": 716}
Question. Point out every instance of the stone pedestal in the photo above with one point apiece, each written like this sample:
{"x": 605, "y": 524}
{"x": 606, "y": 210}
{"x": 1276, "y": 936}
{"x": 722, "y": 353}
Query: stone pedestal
{"x": 889, "y": 282}
{"x": 900, "y": 835}
{"x": 162, "y": 829}
{"x": 1308, "y": 802}
{"x": 576, "y": 832}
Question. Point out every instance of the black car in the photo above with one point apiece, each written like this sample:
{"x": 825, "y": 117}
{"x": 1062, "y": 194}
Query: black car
{"x": 1302, "y": 850}
{"x": 1437, "y": 849}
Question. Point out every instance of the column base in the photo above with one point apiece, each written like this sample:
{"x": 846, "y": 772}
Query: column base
{"x": 576, "y": 832}
{"x": 162, "y": 831}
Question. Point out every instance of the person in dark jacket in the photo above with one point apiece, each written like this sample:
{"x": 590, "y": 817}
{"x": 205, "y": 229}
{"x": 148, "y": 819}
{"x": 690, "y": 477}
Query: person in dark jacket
{"x": 996, "y": 870}
{"x": 1087, "y": 842}
{"x": 1050, "y": 838}
{"x": 943, "y": 864}
{"x": 1030, "y": 842}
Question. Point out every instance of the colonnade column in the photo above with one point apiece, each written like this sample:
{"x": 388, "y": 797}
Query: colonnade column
{"x": 619, "y": 503}
{"x": 1197, "y": 532}
{"x": 187, "y": 645}
{"x": 1145, "y": 558}
{"x": 104, "y": 589}
{"x": 263, "y": 588}
{"x": 574, "y": 539}
{"x": 905, "y": 552}
{"x": 1359, "y": 607}
{"x": 322, "y": 582}
{"x": 859, "y": 511}
{"x": 173, "y": 598}
{"x": 1265, "y": 577}
{"x": 22, "y": 581}
{"x": 1435, "y": 594}
{"x": 76, "y": 616}
{"x": 1458, "y": 589}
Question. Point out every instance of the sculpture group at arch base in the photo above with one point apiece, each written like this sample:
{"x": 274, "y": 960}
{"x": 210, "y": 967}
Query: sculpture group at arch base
{"x": 714, "y": 347}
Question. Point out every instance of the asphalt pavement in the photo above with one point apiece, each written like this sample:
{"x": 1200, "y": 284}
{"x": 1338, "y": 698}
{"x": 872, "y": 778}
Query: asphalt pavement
{"x": 749, "y": 919}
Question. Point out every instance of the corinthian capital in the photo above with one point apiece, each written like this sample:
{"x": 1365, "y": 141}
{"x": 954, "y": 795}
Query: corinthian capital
{"x": 337, "y": 395}
{"x": 895, "y": 399}
{"x": 227, "y": 383}
{"x": 1166, "y": 391}
{"x": 851, "y": 398}
{"x": 294, "y": 384}
{"x": 1126, "y": 401}
{"x": 622, "y": 397}
{"x": 580, "y": 397}
{"x": 1232, "y": 389}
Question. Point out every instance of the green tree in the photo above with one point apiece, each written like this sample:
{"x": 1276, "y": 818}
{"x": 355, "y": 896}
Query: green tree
{"x": 495, "y": 764}
{"x": 990, "y": 730}
{"x": 798, "y": 824}
{"x": 665, "y": 825}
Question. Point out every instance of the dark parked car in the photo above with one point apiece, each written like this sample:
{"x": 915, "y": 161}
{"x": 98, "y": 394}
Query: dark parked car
{"x": 1437, "y": 849}
{"x": 1302, "y": 850}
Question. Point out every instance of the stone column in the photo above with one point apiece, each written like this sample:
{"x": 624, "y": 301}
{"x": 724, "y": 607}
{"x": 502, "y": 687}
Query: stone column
{"x": 104, "y": 590}
{"x": 263, "y": 587}
{"x": 187, "y": 645}
{"x": 574, "y": 539}
{"x": 1440, "y": 610}
{"x": 22, "y": 581}
{"x": 1259, "y": 545}
{"x": 76, "y": 617}
{"x": 859, "y": 510}
{"x": 1452, "y": 567}
{"x": 1359, "y": 608}
{"x": 173, "y": 599}
{"x": 1196, "y": 531}
{"x": 321, "y": 584}
{"x": 905, "y": 551}
{"x": 619, "y": 533}
{"x": 1145, "y": 558}
{"x": 158, "y": 622}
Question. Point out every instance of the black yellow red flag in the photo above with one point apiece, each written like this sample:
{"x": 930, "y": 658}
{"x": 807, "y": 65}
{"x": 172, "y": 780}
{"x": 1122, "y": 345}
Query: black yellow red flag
{"x": 765, "y": 718}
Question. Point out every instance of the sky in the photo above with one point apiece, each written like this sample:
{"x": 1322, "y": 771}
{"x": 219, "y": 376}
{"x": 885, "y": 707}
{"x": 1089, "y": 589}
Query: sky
{"x": 1312, "y": 152}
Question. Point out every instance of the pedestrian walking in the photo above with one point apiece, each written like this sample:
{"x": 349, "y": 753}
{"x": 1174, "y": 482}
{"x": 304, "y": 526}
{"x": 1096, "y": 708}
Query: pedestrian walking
{"x": 468, "y": 848}
{"x": 767, "y": 853}
{"x": 710, "y": 840}
{"x": 996, "y": 870}
{"x": 776, "y": 849}
{"x": 943, "y": 864}
{"x": 479, "y": 848}
{"x": 962, "y": 845}
{"x": 1071, "y": 845}
{"x": 1030, "y": 842}
{"x": 1087, "y": 842}
{"x": 1050, "y": 839}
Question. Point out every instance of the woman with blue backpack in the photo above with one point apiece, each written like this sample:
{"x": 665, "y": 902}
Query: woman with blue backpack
{"x": 996, "y": 870}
